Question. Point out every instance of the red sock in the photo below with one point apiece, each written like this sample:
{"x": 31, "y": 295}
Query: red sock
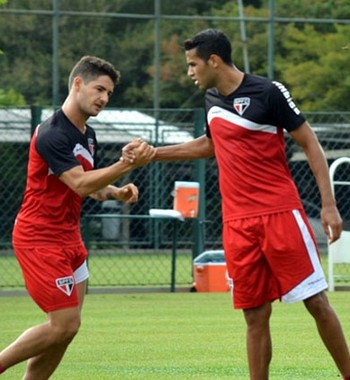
{"x": 346, "y": 378}
{"x": 2, "y": 369}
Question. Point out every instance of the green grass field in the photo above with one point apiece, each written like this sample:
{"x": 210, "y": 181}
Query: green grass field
{"x": 176, "y": 336}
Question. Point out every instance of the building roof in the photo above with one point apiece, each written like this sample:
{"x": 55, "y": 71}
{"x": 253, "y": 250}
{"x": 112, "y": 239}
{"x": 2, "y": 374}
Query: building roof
{"x": 119, "y": 126}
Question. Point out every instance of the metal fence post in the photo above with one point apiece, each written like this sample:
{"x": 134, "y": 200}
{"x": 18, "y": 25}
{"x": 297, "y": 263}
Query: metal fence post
{"x": 36, "y": 118}
{"x": 199, "y": 127}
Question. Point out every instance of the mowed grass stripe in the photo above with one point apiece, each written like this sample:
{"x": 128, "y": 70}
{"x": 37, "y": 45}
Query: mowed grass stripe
{"x": 177, "y": 336}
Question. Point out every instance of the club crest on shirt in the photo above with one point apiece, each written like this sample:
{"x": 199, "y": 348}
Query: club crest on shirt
{"x": 241, "y": 104}
{"x": 65, "y": 284}
{"x": 91, "y": 146}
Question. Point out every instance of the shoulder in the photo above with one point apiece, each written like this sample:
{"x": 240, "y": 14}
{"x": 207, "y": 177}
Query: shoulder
{"x": 52, "y": 131}
{"x": 281, "y": 93}
{"x": 273, "y": 92}
{"x": 251, "y": 80}
{"x": 52, "y": 125}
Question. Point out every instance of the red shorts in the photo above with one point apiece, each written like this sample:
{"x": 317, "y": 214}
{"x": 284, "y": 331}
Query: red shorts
{"x": 272, "y": 257}
{"x": 51, "y": 273}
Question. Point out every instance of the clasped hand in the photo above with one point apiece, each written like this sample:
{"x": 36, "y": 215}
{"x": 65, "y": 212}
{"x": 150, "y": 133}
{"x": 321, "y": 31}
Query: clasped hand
{"x": 138, "y": 153}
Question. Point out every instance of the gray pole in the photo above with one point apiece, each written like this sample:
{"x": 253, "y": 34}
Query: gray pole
{"x": 157, "y": 180}
{"x": 243, "y": 36}
{"x": 156, "y": 101}
{"x": 271, "y": 39}
{"x": 55, "y": 44}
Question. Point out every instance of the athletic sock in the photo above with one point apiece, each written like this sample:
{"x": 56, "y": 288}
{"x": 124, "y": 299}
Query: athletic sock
{"x": 2, "y": 369}
{"x": 346, "y": 378}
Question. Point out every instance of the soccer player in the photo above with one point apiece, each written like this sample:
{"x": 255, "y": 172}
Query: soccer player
{"x": 269, "y": 246}
{"x": 46, "y": 237}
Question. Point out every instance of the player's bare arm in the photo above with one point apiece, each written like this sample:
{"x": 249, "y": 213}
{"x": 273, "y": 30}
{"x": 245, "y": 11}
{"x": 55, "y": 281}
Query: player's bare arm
{"x": 331, "y": 220}
{"x": 85, "y": 183}
{"x": 201, "y": 147}
{"x": 128, "y": 193}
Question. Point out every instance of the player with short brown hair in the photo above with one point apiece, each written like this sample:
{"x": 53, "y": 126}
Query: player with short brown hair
{"x": 46, "y": 238}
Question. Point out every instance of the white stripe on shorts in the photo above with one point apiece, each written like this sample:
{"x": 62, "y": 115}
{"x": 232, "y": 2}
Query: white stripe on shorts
{"x": 316, "y": 282}
{"x": 82, "y": 273}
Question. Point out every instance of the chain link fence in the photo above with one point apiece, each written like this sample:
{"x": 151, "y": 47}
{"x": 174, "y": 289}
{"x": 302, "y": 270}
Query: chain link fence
{"x": 129, "y": 249}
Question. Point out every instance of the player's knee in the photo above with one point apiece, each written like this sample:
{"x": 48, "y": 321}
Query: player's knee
{"x": 258, "y": 317}
{"x": 71, "y": 330}
{"x": 318, "y": 306}
{"x": 64, "y": 333}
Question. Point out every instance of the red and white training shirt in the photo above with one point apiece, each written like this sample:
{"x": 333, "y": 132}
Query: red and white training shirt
{"x": 247, "y": 129}
{"x": 50, "y": 211}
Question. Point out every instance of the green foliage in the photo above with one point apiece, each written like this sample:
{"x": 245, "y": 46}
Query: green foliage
{"x": 11, "y": 98}
{"x": 132, "y": 56}
{"x": 300, "y": 48}
{"x": 2, "y": 2}
{"x": 319, "y": 77}
{"x": 338, "y": 9}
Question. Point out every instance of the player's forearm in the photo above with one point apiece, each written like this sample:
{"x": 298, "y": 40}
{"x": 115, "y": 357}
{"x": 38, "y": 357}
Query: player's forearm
{"x": 320, "y": 170}
{"x": 173, "y": 152}
{"x": 107, "y": 193}
{"x": 307, "y": 139}
{"x": 86, "y": 183}
{"x": 98, "y": 179}
{"x": 195, "y": 149}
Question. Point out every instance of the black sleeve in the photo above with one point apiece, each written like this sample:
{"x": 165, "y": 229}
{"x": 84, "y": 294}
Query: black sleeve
{"x": 56, "y": 150}
{"x": 284, "y": 111}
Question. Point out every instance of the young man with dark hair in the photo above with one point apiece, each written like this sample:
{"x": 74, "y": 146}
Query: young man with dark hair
{"x": 46, "y": 238}
{"x": 269, "y": 246}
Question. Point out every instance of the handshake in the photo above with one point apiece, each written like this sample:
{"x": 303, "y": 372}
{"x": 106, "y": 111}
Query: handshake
{"x": 138, "y": 153}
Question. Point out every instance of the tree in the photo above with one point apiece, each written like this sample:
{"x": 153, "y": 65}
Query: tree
{"x": 303, "y": 52}
{"x": 318, "y": 75}
{"x": 11, "y": 98}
